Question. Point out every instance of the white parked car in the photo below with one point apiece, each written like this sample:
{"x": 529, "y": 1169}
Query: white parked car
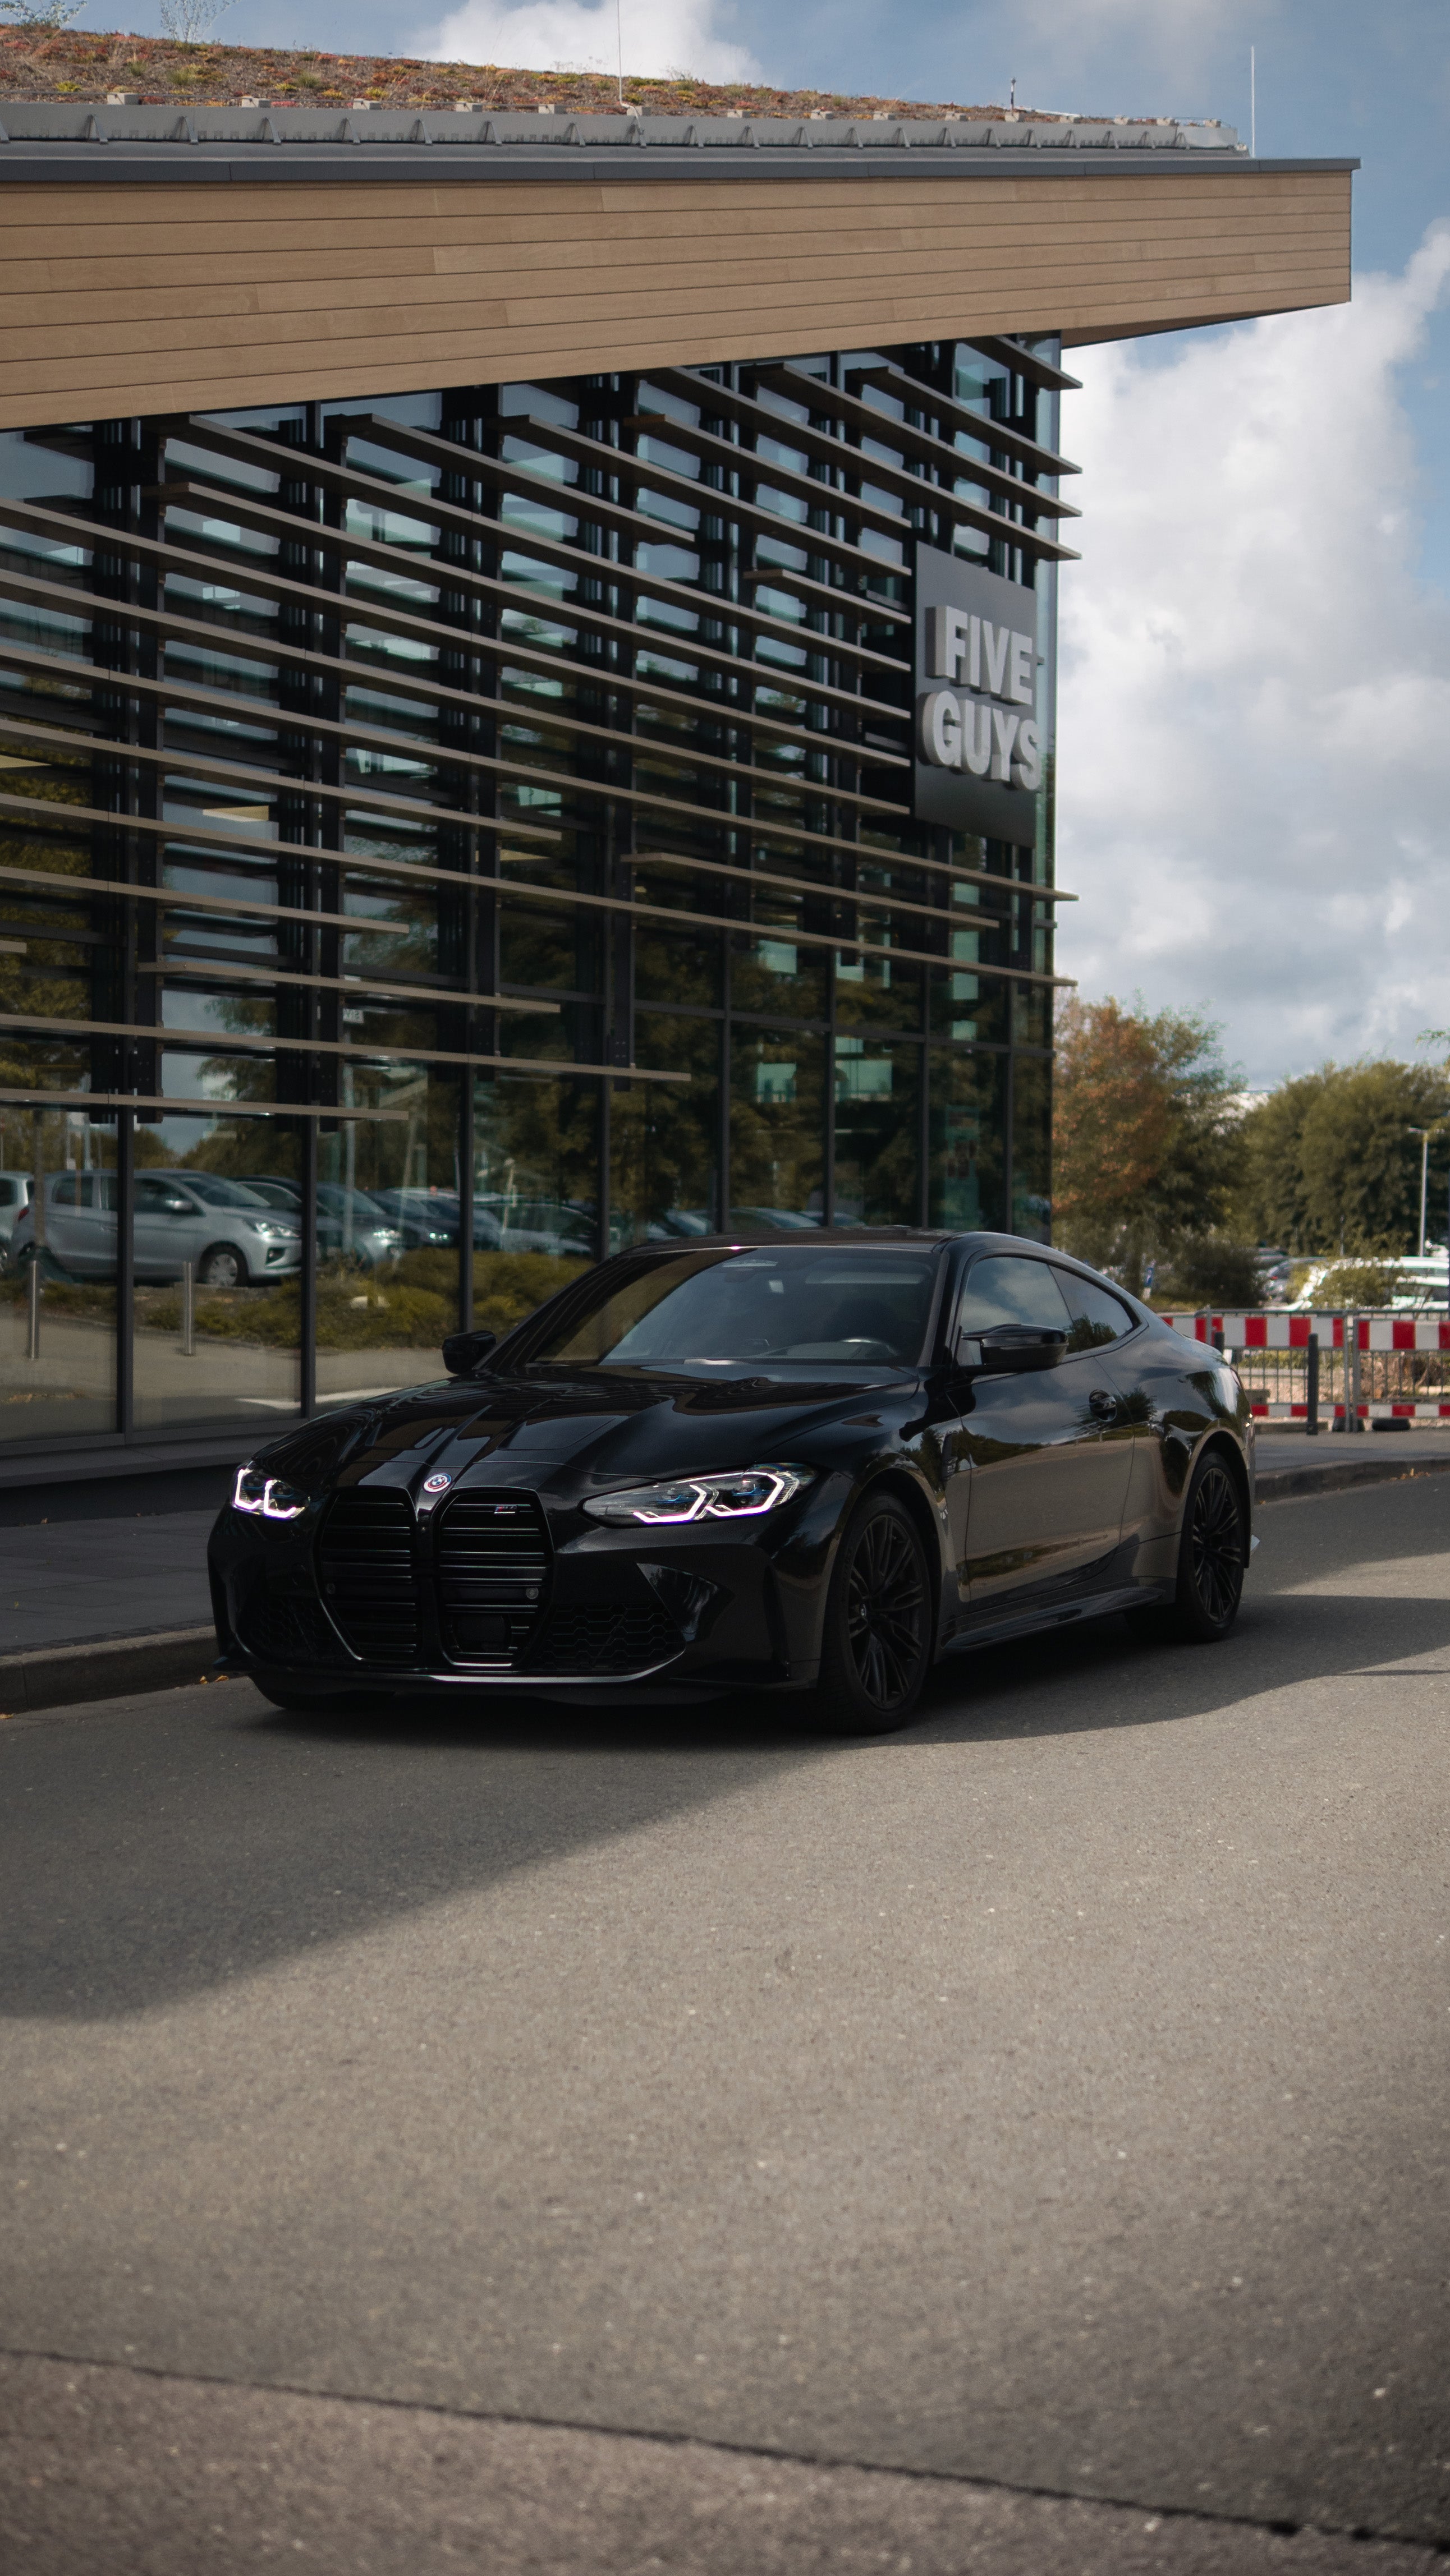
{"x": 15, "y": 1194}
{"x": 232, "y": 1238}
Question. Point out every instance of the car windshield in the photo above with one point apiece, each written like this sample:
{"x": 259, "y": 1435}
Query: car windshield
{"x": 333, "y": 1198}
{"x": 213, "y": 1191}
{"x": 824, "y": 1308}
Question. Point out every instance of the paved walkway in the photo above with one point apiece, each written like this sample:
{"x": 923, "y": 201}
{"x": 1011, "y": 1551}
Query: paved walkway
{"x": 1278, "y": 1446}
{"x": 67, "y": 1582}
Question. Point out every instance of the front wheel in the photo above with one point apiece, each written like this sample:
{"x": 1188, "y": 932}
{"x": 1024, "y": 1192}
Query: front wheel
{"x": 876, "y": 1652}
{"x": 1212, "y": 1555}
{"x": 222, "y": 1267}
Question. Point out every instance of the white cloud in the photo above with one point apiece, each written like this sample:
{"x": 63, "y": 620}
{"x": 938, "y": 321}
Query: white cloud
{"x": 1255, "y": 703}
{"x": 1168, "y": 49}
{"x": 660, "y": 36}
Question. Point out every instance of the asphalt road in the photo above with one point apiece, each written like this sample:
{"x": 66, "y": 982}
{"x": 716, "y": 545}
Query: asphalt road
{"x": 1047, "y": 2103}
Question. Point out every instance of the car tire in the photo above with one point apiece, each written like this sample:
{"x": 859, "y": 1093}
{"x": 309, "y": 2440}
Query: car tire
{"x": 1212, "y": 1558}
{"x": 879, "y": 1628}
{"x": 222, "y": 1266}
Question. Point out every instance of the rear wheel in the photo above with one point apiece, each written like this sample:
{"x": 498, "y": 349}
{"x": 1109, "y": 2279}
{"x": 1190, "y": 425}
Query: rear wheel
{"x": 877, "y": 1647}
{"x": 222, "y": 1266}
{"x": 1212, "y": 1555}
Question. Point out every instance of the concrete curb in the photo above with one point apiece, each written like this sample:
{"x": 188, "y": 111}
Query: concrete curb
{"x": 106, "y": 1668}
{"x": 1281, "y": 1484}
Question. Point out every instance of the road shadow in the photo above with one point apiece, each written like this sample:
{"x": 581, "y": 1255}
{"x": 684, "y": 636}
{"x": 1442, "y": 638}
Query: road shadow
{"x": 204, "y": 1836}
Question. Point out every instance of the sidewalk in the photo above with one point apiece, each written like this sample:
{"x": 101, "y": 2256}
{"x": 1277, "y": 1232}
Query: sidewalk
{"x": 91, "y": 1609}
{"x": 1290, "y": 1463}
{"x": 70, "y": 1582}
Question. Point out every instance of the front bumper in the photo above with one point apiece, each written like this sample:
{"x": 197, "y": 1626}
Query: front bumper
{"x": 711, "y": 1608}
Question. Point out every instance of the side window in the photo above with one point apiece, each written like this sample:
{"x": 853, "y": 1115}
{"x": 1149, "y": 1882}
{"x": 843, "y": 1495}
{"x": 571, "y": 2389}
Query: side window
{"x": 1004, "y": 1290}
{"x": 1098, "y": 1317}
{"x": 8, "y": 1194}
{"x": 71, "y": 1189}
{"x": 156, "y": 1196}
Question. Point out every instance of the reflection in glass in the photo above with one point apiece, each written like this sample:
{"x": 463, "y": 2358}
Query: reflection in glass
{"x": 387, "y": 1232}
{"x": 535, "y": 1184}
{"x": 217, "y": 1272}
{"x": 57, "y": 1276}
{"x": 964, "y": 1153}
{"x": 777, "y": 1124}
{"x": 664, "y": 1149}
{"x": 878, "y": 1133}
{"x": 1032, "y": 1147}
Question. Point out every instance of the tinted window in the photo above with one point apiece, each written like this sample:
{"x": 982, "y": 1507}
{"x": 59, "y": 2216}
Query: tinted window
{"x": 1001, "y": 1290}
{"x": 72, "y": 1189}
{"x": 858, "y": 1309}
{"x": 8, "y": 1194}
{"x": 1098, "y": 1317}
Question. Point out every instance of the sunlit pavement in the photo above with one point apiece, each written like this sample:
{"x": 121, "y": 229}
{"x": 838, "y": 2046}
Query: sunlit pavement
{"x": 1051, "y": 2098}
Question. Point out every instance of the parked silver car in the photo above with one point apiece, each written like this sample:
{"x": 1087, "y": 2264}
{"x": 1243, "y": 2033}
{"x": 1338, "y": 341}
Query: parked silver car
{"x": 351, "y": 1225}
{"x": 231, "y": 1236}
{"x": 15, "y": 1195}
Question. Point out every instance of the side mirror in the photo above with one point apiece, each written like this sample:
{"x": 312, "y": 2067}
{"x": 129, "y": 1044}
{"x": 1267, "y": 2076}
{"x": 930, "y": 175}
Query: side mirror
{"x": 1010, "y": 1350}
{"x": 463, "y": 1351}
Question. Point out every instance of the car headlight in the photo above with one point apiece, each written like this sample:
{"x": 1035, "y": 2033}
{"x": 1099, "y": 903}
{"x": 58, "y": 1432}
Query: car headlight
{"x": 272, "y": 1496}
{"x": 278, "y": 1233}
{"x": 743, "y": 1496}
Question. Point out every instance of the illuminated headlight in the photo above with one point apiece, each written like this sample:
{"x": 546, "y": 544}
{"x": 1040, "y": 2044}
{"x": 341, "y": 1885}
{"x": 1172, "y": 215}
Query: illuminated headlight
{"x": 272, "y": 1496}
{"x": 743, "y": 1496}
{"x": 277, "y": 1233}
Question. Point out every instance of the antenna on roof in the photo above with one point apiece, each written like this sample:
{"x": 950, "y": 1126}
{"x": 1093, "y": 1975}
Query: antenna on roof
{"x": 1253, "y": 108}
{"x": 1012, "y": 101}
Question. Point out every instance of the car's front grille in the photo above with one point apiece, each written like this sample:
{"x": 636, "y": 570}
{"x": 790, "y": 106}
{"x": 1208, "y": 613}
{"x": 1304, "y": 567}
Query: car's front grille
{"x": 611, "y": 1639}
{"x": 492, "y": 1559}
{"x": 278, "y": 1628}
{"x": 367, "y": 1568}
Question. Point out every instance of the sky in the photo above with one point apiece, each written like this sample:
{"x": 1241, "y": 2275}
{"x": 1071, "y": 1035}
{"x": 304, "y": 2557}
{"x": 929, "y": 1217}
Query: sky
{"x": 1254, "y": 745}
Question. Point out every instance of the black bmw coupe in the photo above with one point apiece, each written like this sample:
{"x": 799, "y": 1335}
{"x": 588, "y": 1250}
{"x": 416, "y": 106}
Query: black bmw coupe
{"x": 809, "y": 1463}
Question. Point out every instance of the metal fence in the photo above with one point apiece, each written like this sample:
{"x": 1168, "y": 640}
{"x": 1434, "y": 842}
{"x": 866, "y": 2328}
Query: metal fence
{"x": 1343, "y": 1369}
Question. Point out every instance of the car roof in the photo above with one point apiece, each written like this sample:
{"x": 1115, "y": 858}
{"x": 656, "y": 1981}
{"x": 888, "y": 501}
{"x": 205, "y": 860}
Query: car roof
{"x": 891, "y": 1238}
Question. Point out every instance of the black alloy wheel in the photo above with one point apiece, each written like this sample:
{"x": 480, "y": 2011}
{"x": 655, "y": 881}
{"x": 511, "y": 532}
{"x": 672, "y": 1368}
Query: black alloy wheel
{"x": 877, "y": 1646}
{"x": 1212, "y": 1556}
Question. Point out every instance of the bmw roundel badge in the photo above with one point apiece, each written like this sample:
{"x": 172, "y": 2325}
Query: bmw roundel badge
{"x": 436, "y": 1484}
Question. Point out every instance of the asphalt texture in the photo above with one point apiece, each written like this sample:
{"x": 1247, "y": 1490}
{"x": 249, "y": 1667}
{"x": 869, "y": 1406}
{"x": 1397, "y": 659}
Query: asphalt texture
{"x": 583, "y": 2143}
{"x": 66, "y": 1582}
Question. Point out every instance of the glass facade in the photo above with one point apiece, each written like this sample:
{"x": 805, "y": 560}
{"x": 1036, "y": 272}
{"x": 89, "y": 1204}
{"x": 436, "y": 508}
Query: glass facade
{"x": 447, "y": 837}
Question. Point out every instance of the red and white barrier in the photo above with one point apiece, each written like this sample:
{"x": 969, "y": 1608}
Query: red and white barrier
{"x": 1290, "y": 1332}
{"x": 1286, "y": 1331}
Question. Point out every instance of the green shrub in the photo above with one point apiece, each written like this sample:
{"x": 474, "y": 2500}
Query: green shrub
{"x": 507, "y": 1286}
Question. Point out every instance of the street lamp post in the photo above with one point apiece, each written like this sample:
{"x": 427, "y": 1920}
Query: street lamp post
{"x": 1424, "y": 1134}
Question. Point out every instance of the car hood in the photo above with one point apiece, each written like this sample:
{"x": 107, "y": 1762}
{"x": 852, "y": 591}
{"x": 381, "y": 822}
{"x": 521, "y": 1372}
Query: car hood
{"x": 583, "y": 1433}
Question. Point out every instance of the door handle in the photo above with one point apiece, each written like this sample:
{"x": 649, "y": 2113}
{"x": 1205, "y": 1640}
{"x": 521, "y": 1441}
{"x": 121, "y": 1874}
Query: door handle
{"x": 1104, "y": 1405}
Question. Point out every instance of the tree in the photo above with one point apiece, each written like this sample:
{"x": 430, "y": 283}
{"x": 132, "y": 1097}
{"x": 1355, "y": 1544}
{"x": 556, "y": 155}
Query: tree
{"x": 1143, "y": 1150}
{"x": 1331, "y": 1162}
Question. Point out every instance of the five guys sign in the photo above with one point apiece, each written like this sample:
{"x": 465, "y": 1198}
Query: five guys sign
{"x": 977, "y": 738}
